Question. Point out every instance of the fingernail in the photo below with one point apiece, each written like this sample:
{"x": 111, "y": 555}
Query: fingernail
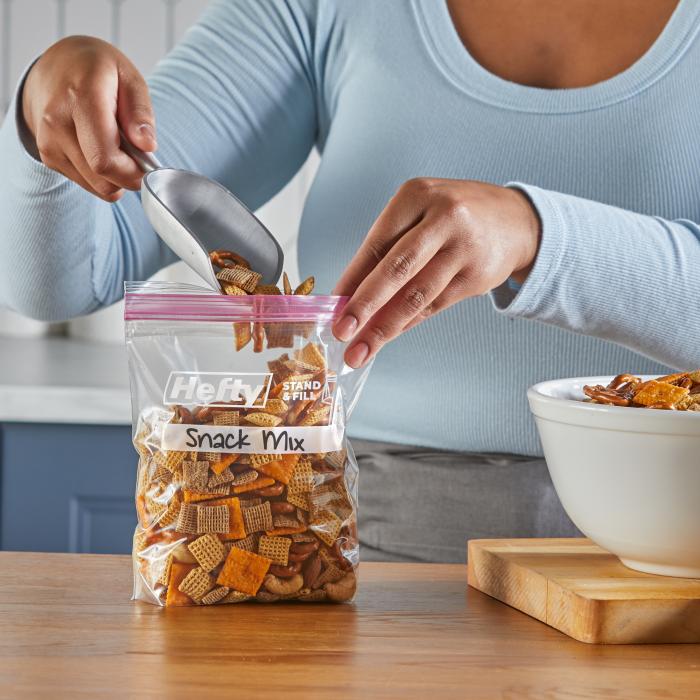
{"x": 357, "y": 354}
{"x": 345, "y": 328}
{"x": 148, "y": 131}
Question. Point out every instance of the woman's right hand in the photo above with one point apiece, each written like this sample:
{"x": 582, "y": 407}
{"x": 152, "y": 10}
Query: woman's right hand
{"x": 75, "y": 98}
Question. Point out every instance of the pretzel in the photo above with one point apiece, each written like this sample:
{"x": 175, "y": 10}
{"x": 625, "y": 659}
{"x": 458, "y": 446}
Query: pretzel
{"x": 227, "y": 258}
{"x": 668, "y": 393}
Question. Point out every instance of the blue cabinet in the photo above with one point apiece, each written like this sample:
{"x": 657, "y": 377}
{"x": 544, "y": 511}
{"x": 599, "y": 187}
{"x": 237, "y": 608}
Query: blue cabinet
{"x": 67, "y": 488}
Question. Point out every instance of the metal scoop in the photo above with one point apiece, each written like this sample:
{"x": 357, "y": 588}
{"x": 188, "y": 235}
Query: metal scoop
{"x": 194, "y": 215}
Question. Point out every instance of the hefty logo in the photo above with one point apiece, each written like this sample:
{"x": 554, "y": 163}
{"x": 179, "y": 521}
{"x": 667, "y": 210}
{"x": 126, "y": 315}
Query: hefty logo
{"x": 244, "y": 389}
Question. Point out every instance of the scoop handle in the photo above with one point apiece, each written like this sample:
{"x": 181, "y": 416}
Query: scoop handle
{"x": 146, "y": 161}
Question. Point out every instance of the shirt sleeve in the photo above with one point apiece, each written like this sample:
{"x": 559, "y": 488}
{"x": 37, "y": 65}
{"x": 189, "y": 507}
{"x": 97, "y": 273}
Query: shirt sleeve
{"x": 614, "y": 274}
{"x": 235, "y": 101}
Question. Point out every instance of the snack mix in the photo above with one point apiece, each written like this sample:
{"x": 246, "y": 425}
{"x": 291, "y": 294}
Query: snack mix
{"x": 219, "y": 526}
{"x": 673, "y": 392}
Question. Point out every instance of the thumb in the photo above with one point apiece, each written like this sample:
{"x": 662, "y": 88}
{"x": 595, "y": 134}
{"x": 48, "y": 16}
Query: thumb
{"x": 134, "y": 110}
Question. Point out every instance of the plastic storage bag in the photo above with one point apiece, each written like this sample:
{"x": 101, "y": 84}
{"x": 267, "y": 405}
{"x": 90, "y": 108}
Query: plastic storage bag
{"x": 247, "y": 486}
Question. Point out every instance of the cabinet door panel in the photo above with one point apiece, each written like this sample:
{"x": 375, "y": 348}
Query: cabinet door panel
{"x": 67, "y": 488}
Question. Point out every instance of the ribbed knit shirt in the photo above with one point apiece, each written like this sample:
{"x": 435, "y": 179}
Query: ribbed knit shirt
{"x": 387, "y": 91}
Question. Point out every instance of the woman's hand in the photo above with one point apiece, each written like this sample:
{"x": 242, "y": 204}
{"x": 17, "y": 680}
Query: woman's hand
{"x": 436, "y": 243}
{"x": 75, "y": 98}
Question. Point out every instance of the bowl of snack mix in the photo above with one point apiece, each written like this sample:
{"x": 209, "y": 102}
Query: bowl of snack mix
{"x": 624, "y": 456}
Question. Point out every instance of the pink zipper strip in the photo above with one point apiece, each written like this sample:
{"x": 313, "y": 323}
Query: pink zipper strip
{"x": 143, "y": 306}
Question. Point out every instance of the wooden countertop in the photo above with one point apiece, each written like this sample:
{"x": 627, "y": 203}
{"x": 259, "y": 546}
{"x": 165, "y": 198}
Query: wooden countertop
{"x": 68, "y": 630}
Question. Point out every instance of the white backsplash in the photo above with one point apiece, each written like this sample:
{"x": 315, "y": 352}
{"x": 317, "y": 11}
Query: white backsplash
{"x": 144, "y": 30}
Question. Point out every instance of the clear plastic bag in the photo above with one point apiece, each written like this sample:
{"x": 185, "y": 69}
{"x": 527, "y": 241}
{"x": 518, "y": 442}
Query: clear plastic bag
{"x": 247, "y": 486}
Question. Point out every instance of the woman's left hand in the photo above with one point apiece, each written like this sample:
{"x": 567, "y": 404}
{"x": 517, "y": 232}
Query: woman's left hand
{"x": 436, "y": 242}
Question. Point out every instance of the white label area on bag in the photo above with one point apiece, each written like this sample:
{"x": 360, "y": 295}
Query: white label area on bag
{"x": 251, "y": 440}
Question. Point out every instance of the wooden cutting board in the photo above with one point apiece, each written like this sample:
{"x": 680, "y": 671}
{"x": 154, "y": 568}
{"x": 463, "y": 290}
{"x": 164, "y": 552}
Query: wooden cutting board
{"x": 579, "y": 588}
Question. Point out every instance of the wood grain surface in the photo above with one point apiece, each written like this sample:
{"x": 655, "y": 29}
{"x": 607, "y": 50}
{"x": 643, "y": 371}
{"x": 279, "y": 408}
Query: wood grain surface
{"x": 68, "y": 630}
{"x": 584, "y": 591}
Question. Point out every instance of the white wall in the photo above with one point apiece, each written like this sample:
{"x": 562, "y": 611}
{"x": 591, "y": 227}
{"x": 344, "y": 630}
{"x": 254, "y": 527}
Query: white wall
{"x": 144, "y": 30}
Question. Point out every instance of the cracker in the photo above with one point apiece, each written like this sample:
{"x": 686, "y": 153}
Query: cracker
{"x": 178, "y": 572}
{"x": 326, "y": 525}
{"x": 171, "y": 513}
{"x": 243, "y": 571}
{"x": 323, "y": 497}
{"x": 225, "y": 477}
{"x": 160, "y": 474}
{"x": 298, "y": 499}
{"x": 311, "y": 354}
{"x": 196, "y": 584}
{"x": 280, "y": 469}
{"x": 215, "y": 596}
{"x": 267, "y": 289}
{"x": 302, "y": 479}
{"x": 301, "y": 367}
{"x": 164, "y": 576}
{"x": 213, "y": 519}
{"x": 258, "y": 518}
{"x": 330, "y": 574}
{"x": 336, "y": 459}
{"x": 240, "y": 276}
{"x": 250, "y": 543}
{"x": 236, "y": 597}
{"x": 208, "y": 550}
{"x": 250, "y": 502}
{"x": 214, "y": 492}
{"x": 279, "y": 335}
{"x": 275, "y": 548}
{"x": 303, "y": 537}
{"x": 654, "y": 392}
{"x": 195, "y": 475}
{"x": 227, "y": 417}
{"x": 282, "y": 520}
{"x": 242, "y": 334}
{"x": 246, "y": 477}
{"x": 170, "y": 460}
{"x": 233, "y": 290}
{"x": 140, "y": 541}
{"x": 316, "y": 416}
{"x": 235, "y": 527}
{"x": 263, "y": 420}
{"x": 254, "y": 485}
{"x": 276, "y": 406}
{"x": 224, "y": 462}
{"x": 257, "y": 459}
{"x": 187, "y": 519}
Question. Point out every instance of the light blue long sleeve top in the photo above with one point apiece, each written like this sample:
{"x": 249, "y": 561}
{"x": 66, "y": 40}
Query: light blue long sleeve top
{"x": 386, "y": 91}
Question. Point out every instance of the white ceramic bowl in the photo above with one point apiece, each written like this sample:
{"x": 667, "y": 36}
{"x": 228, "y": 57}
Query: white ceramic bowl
{"x": 629, "y": 478}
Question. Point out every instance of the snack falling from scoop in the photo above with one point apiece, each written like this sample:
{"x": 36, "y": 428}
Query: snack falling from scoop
{"x": 672, "y": 392}
{"x": 237, "y": 279}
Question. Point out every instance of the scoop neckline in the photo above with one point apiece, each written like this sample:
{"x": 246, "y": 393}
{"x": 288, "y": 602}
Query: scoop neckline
{"x": 458, "y": 65}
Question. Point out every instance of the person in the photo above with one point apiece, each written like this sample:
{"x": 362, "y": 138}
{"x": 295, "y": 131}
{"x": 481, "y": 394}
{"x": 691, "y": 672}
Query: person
{"x": 526, "y": 169}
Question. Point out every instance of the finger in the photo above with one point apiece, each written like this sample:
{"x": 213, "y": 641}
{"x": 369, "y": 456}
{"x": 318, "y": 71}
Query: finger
{"x": 402, "y": 213}
{"x": 103, "y": 188}
{"x": 402, "y": 262}
{"x": 59, "y": 150}
{"x": 63, "y": 165}
{"x": 98, "y": 135}
{"x": 390, "y": 321}
{"x": 453, "y": 293}
{"x": 134, "y": 109}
